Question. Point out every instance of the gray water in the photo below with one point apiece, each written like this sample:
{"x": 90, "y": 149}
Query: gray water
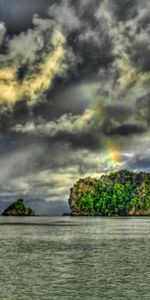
{"x": 74, "y": 258}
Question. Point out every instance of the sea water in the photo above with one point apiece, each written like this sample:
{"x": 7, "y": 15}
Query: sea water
{"x": 74, "y": 258}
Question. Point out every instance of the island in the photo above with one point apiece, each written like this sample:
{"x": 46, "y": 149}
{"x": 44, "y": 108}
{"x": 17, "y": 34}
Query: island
{"x": 18, "y": 209}
{"x": 121, "y": 193}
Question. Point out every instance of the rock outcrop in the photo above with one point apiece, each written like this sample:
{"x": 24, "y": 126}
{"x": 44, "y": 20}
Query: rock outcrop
{"x": 18, "y": 209}
{"x": 121, "y": 193}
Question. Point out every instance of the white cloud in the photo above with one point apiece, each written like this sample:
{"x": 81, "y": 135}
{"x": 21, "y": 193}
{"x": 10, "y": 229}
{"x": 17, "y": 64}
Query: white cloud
{"x": 65, "y": 124}
{"x": 65, "y": 16}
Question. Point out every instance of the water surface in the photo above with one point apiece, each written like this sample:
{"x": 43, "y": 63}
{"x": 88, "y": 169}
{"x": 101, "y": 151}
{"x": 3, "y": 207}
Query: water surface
{"x": 68, "y": 258}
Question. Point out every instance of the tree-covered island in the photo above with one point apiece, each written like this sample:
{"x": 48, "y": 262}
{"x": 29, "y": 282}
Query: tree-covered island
{"x": 122, "y": 193}
{"x": 18, "y": 208}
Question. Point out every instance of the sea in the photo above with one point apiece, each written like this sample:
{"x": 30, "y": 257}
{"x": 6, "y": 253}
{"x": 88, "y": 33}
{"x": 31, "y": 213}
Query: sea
{"x": 74, "y": 258}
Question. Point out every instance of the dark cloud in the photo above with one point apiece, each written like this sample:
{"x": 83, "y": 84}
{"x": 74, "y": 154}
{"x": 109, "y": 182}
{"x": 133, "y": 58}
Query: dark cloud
{"x": 118, "y": 112}
{"x": 125, "y": 10}
{"x": 126, "y": 130}
{"x": 143, "y": 108}
{"x": 98, "y": 100}
{"x": 140, "y": 160}
{"x": 18, "y": 14}
{"x": 139, "y": 53}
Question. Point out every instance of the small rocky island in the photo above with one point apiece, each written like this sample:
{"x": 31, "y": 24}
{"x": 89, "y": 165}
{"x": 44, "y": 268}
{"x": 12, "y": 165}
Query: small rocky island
{"x": 18, "y": 209}
{"x": 122, "y": 193}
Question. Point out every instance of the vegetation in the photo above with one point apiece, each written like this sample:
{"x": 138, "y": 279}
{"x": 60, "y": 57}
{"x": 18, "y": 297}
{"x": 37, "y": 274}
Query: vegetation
{"x": 121, "y": 193}
{"x": 18, "y": 209}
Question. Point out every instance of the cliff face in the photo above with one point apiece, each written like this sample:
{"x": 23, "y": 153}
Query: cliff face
{"x": 18, "y": 209}
{"x": 121, "y": 193}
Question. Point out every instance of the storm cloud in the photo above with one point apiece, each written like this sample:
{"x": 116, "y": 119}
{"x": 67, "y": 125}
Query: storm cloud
{"x": 74, "y": 93}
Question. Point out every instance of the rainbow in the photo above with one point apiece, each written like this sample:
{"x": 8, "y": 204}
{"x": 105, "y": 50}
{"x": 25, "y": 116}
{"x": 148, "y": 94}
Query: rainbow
{"x": 110, "y": 147}
{"x": 112, "y": 152}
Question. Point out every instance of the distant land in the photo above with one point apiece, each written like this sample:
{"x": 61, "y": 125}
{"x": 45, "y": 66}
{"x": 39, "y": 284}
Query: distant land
{"x": 41, "y": 207}
{"x": 18, "y": 209}
{"x": 122, "y": 193}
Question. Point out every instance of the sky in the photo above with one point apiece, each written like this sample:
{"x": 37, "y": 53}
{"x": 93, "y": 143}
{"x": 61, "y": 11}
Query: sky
{"x": 74, "y": 95}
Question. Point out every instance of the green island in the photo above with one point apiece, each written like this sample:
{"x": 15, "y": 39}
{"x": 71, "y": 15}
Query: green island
{"x": 122, "y": 193}
{"x": 18, "y": 209}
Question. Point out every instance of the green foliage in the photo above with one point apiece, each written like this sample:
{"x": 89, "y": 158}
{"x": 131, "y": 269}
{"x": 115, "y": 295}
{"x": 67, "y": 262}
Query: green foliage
{"x": 18, "y": 209}
{"x": 87, "y": 203}
{"x": 119, "y": 193}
